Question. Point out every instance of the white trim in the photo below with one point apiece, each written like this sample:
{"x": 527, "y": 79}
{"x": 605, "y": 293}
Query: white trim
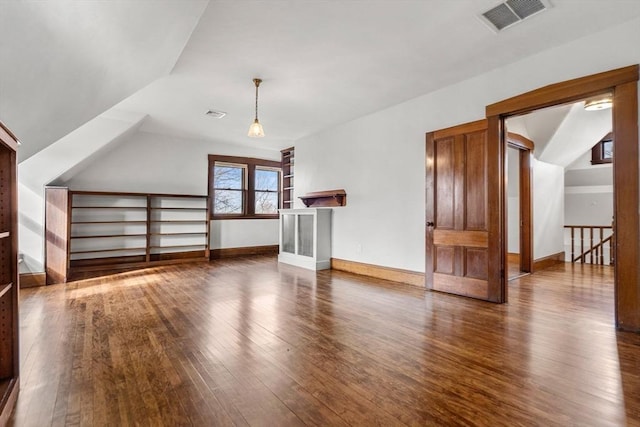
{"x": 588, "y": 189}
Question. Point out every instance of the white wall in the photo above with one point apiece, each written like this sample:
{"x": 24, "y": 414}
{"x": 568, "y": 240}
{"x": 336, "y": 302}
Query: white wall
{"x": 588, "y": 208}
{"x": 548, "y": 209}
{"x": 69, "y": 154}
{"x": 379, "y": 159}
{"x": 163, "y": 164}
{"x": 588, "y": 193}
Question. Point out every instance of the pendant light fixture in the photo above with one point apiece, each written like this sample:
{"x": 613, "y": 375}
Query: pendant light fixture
{"x": 255, "y": 130}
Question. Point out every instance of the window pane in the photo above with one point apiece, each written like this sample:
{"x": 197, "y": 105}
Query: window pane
{"x": 228, "y": 177}
{"x": 227, "y": 202}
{"x": 607, "y": 149}
{"x": 266, "y": 180}
{"x": 288, "y": 233}
{"x": 266, "y": 202}
{"x": 305, "y": 235}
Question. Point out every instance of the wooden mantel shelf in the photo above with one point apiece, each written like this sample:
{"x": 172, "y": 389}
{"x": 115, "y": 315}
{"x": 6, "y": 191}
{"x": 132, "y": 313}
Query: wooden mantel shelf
{"x": 325, "y": 198}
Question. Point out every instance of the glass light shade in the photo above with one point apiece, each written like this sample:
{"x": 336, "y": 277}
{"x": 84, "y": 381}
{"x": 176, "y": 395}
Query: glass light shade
{"x": 255, "y": 130}
{"x": 601, "y": 103}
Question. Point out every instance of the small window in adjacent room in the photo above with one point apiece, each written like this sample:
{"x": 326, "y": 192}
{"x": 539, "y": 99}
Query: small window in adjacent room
{"x": 602, "y": 152}
{"x": 243, "y": 187}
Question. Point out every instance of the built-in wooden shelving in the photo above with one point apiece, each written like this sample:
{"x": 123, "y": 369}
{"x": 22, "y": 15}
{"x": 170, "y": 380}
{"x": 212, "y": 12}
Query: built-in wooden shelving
{"x": 288, "y": 160}
{"x": 325, "y": 198}
{"x": 9, "y": 285}
{"x": 91, "y": 231}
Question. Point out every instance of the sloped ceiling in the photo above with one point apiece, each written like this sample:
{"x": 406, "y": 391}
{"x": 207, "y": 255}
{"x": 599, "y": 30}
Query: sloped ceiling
{"x": 323, "y": 62}
{"x": 63, "y": 63}
{"x": 564, "y": 133}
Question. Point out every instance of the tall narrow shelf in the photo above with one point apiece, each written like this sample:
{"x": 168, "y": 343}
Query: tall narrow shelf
{"x": 9, "y": 361}
{"x": 288, "y": 160}
{"x": 96, "y": 231}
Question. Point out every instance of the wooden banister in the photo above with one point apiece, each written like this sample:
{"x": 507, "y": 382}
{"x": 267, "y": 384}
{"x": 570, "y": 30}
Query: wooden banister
{"x": 594, "y": 252}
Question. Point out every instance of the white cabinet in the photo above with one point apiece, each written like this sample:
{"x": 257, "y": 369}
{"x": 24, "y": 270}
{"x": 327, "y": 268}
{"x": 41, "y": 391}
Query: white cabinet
{"x": 305, "y": 238}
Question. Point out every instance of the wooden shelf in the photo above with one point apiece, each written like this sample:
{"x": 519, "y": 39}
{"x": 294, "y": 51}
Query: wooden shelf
{"x": 110, "y": 207}
{"x": 179, "y": 209}
{"x": 179, "y": 246}
{"x": 134, "y": 195}
{"x": 106, "y": 236}
{"x": 134, "y": 235}
{"x": 175, "y": 221}
{"x": 287, "y": 164}
{"x": 93, "y": 251}
{"x": 9, "y": 289}
{"x": 325, "y": 198}
{"x": 108, "y": 222}
{"x": 179, "y": 234}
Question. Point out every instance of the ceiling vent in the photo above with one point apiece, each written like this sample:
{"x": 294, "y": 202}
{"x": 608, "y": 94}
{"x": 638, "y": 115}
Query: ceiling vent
{"x": 215, "y": 114}
{"x": 511, "y": 12}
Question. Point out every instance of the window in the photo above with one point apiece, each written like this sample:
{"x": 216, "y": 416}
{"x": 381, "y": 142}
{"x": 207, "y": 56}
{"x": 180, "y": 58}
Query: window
{"x": 228, "y": 188}
{"x": 602, "y": 152}
{"x": 267, "y": 183}
{"x": 243, "y": 187}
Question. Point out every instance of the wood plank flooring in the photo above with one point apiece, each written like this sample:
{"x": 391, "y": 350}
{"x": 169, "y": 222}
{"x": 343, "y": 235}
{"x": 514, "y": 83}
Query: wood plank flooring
{"x": 251, "y": 342}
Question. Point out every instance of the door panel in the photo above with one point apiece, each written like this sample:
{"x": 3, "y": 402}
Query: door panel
{"x": 444, "y": 259}
{"x": 457, "y": 236}
{"x": 476, "y": 181}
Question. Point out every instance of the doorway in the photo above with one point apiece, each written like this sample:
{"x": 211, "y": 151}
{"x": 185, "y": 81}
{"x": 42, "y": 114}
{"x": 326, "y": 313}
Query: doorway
{"x": 490, "y": 236}
{"x": 519, "y": 205}
{"x": 623, "y": 84}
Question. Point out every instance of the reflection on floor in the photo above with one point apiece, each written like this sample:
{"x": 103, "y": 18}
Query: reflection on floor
{"x": 513, "y": 270}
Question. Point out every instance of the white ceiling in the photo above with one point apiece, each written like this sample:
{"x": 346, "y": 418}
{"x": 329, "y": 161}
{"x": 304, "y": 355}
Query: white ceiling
{"x": 64, "y": 62}
{"x": 323, "y": 62}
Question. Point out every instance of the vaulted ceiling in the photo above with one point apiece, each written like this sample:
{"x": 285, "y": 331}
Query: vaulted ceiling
{"x": 563, "y": 133}
{"x": 323, "y": 62}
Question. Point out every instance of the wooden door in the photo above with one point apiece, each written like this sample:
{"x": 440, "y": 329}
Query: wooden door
{"x": 463, "y": 250}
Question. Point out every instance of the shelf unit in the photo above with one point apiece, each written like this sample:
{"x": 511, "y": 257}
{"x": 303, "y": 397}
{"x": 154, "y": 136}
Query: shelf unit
{"x": 325, "y": 198}
{"x": 9, "y": 288}
{"x": 288, "y": 160}
{"x": 98, "y": 231}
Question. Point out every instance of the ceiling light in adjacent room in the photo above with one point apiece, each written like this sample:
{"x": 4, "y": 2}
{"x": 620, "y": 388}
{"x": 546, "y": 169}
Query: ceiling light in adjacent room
{"x": 255, "y": 130}
{"x": 600, "y": 102}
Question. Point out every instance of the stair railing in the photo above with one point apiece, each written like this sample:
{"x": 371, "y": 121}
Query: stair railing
{"x": 592, "y": 245}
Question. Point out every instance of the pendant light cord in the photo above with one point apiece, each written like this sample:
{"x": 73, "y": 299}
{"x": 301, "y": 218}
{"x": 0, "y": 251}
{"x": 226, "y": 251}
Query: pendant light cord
{"x": 257, "y": 83}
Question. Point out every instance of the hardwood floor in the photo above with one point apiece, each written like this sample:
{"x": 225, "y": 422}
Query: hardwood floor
{"x": 513, "y": 271}
{"x": 251, "y": 342}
